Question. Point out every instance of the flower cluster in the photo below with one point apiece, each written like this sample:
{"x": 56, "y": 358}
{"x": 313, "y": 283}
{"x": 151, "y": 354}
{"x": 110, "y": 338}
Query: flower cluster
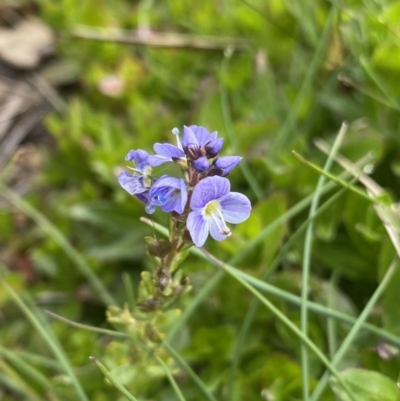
{"x": 201, "y": 201}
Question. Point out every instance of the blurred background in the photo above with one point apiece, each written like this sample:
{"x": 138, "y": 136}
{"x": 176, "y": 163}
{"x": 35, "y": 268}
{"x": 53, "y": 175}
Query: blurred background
{"x": 83, "y": 82}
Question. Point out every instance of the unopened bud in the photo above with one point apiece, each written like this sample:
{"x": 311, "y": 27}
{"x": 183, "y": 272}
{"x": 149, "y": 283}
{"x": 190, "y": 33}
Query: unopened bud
{"x": 156, "y": 247}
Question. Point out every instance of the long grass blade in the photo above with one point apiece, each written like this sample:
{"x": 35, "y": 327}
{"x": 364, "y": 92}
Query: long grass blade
{"x": 47, "y": 335}
{"x": 54, "y": 233}
{"x": 113, "y": 381}
{"x": 285, "y": 320}
{"x": 307, "y": 261}
{"x": 30, "y": 393}
{"x": 331, "y": 323}
{"x": 356, "y": 328}
{"x": 208, "y": 395}
{"x": 255, "y": 303}
{"x": 28, "y": 370}
{"x": 171, "y": 379}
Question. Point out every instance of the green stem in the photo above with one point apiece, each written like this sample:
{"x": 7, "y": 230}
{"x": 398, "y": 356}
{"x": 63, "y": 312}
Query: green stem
{"x": 114, "y": 382}
{"x": 331, "y": 323}
{"x": 337, "y": 180}
{"x": 307, "y": 261}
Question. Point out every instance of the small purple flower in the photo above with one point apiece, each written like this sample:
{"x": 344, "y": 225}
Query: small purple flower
{"x": 198, "y": 141}
{"x": 168, "y": 192}
{"x": 227, "y": 163}
{"x": 140, "y": 181}
{"x": 212, "y": 204}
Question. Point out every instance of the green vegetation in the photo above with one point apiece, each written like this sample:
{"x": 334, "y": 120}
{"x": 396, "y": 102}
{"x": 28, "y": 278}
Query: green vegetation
{"x": 302, "y": 302}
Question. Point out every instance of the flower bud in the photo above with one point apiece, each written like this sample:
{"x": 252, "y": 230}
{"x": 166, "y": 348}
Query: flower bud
{"x": 201, "y": 164}
{"x": 214, "y": 147}
{"x": 159, "y": 248}
{"x": 227, "y": 163}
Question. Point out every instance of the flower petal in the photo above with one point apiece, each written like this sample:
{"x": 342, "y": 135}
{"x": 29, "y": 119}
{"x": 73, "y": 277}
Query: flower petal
{"x": 235, "y": 207}
{"x": 203, "y": 135}
{"x": 189, "y": 139}
{"x": 150, "y": 209}
{"x": 208, "y": 189}
{"x": 144, "y": 197}
{"x": 184, "y": 197}
{"x": 177, "y": 201}
{"x": 218, "y": 229}
{"x": 140, "y": 157}
{"x": 156, "y": 160}
{"x": 133, "y": 184}
{"x": 198, "y": 228}
{"x": 168, "y": 150}
{"x": 170, "y": 193}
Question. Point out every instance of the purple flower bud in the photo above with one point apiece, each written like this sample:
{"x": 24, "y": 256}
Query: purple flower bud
{"x": 214, "y": 147}
{"x": 227, "y": 163}
{"x": 201, "y": 164}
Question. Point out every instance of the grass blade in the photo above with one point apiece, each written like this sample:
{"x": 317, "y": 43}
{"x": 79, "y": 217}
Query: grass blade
{"x": 190, "y": 372}
{"x": 49, "y": 338}
{"x": 171, "y": 379}
{"x": 28, "y": 370}
{"x": 114, "y": 382}
{"x": 255, "y": 303}
{"x": 173, "y": 353}
{"x": 233, "y": 272}
{"x": 356, "y": 328}
{"x": 53, "y": 232}
{"x": 337, "y": 180}
{"x": 307, "y": 260}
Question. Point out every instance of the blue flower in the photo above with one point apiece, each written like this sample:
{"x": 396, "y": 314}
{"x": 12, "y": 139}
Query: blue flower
{"x": 198, "y": 141}
{"x": 212, "y": 205}
{"x": 226, "y": 163}
{"x": 168, "y": 192}
{"x": 140, "y": 181}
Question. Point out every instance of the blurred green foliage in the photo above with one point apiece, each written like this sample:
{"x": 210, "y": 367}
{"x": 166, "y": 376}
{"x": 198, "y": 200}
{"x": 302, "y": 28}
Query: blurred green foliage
{"x": 308, "y": 67}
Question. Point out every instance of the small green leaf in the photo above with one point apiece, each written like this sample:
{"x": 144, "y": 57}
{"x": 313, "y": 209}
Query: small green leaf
{"x": 366, "y": 385}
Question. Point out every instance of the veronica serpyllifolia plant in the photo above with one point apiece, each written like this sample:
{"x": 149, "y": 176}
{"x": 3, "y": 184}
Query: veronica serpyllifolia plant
{"x": 199, "y": 202}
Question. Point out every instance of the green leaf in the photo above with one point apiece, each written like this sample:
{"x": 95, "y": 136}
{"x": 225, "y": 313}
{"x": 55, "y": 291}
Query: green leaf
{"x": 367, "y": 385}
